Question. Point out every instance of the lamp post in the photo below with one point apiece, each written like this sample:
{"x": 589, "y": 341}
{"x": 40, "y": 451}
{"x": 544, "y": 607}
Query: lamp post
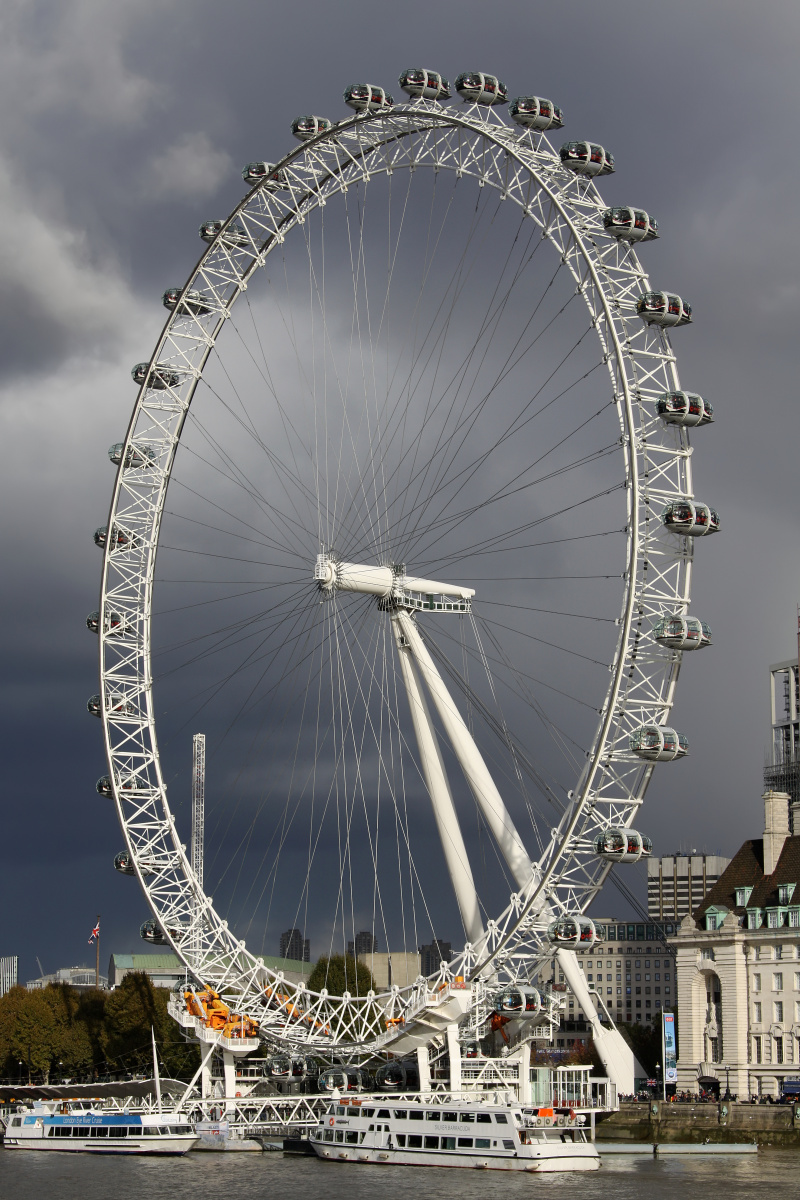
{"x": 658, "y": 1069}
{"x": 727, "y": 1083}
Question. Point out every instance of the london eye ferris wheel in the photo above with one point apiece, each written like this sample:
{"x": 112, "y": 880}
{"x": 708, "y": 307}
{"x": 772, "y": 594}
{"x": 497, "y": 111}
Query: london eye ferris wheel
{"x": 404, "y": 518}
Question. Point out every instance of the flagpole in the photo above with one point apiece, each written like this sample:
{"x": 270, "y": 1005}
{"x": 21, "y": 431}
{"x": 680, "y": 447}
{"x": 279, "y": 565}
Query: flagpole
{"x": 97, "y": 956}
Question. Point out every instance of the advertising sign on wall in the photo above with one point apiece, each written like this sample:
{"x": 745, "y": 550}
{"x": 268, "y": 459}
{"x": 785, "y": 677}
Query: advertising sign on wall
{"x": 670, "y": 1049}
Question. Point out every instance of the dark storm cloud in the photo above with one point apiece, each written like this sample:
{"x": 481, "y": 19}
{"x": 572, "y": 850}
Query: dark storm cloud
{"x": 125, "y": 127}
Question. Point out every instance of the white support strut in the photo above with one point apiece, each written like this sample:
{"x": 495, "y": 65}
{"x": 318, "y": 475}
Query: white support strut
{"x": 455, "y": 851}
{"x": 470, "y": 758}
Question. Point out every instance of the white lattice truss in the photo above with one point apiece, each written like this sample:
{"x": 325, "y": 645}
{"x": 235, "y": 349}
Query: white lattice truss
{"x": 523, "y": 168}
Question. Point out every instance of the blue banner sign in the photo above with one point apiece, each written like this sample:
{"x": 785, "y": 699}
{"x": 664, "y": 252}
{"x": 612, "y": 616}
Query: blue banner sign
{"x": 670, "y": 1049}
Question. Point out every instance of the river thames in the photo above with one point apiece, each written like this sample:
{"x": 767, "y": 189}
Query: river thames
{"x": 25, "y": 1175}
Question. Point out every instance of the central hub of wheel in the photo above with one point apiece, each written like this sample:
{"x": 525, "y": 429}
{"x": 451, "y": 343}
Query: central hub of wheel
{"x": 391, "y": 585}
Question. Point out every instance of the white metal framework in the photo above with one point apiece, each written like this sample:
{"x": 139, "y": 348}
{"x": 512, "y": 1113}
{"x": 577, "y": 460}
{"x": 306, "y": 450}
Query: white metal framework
{"x": 560, "y": 876}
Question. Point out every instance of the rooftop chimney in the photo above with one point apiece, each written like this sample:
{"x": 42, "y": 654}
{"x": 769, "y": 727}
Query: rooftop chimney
{"x": 776, "y": 827}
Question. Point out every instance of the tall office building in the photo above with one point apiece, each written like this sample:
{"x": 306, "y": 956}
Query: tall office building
{"x": 294, "y": 945}
{"x": 8, "y": 973}
{"x": 782, "y": 772}
{"x": 677, "y": 883}
{"x": 433, "y": 955}
{"x": 364, "y": 943}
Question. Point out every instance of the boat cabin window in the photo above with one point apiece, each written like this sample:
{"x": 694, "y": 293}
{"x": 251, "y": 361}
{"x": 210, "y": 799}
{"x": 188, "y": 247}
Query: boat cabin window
{"x": 431, "y": 1143}
{"x": 328, "y": 1136}
{"x": 369, "y": 1112}
{"x": 384, "y": 1112}
{"x": 448, "y": 1143}
{"x": 482, "y": 1143}
{"x": 449, "y": 1116}
{"x": 417, "y": 1115}
{"x": 341, "y": 1111}
{"x": 466, "y": 1143}
{"x": 351, "y": 1136}
{"x": 432, "y": 1116}
{"x": 415, "y": 1141}
{"x": 501, "y": 1118}
{"x": 467, "y": 1117}
{"x": 484, "y": 1118}
{"x": 400, "y": 1114}
{"x": 508, "y": 1145}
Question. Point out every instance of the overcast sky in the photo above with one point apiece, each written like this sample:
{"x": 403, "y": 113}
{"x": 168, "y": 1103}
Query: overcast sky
{"x": 126, "y": 125}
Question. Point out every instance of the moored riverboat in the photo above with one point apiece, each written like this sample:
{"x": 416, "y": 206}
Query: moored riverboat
{"x": 434, "y": 1133}
{"x": 74, "y": 1127}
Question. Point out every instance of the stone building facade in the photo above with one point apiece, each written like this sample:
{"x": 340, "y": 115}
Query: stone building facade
{"x": 738, "y": 968}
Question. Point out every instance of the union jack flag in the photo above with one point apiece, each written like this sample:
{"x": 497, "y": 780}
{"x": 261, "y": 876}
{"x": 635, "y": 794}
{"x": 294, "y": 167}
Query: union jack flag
{"x": 95, "y": 933}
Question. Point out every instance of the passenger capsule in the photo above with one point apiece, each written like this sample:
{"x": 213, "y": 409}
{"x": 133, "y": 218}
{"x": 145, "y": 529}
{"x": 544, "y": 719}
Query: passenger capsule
{"x": 115, "y": 623}
{"x": 123, "y": 862}
{"x": 532, "y": 112}
{"x": 279, "y": 1066}
{"x": 682, "y": 633}
{"x": 307, "y": 127}
{"x": 94, "y": 706}
{"x": 630, "y": 224}
{"x": 233, "y": 235}
{"x": 476, "y": 88}
{"x": 104, "y": 786}
{"x": 191, "y": 303}
{"x": 264, "y": 172}
{"x": 399, "y": 1076}
{"x": 424, "y": 85}
{"x": 586, "y": 158}
{"x": 346, "y": 1079}
{"x": 622, "y": 845}
{"x": 521, "y": 1001}
{"x": 684, "y": 408}
{"x": 572, "y": 931}
{"x": 152, "y": 932}
{"x": 658, "y": 743}
{"x": 121, "y": 539}
{"x": 663, "y": 308}
{"x": 136, "y": 457}
{"x": 159, "y": 377}
{"x": 690, "y": 518}
{"x": 366, "y": 97}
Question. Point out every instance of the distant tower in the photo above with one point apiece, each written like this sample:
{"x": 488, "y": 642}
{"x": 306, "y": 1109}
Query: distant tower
{"x": 365, "y": 943}
{"x": 294, "y": 945}
{"x": 432, "y": 955}
{"x": 198, "y": 803}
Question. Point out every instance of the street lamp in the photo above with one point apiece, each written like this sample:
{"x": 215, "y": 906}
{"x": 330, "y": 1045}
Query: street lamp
{"x": 727, "y": 1083}
{"x": 658, "y": 1069}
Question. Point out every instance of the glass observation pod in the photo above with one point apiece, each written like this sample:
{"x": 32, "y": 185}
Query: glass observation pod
{"x": 121, "y": 539}
{"x": 234, "y": 235}
{"x": 346, "y": 1080}
{"x": 586, "y": 158}
{"x": 663, "y": 308}
{"x": 476, "y": 88}
{"x": 572, "y": 931}
{"x": 684, "y": 408}
{"x": 424, "y": 85}
{"x": 622, "y": 845}
{"x": 690, "y": 518}
{"x": 159, "y": 377}
{"x": 115, "y": 623}
{"x": 630, "y": 224}
{"x": 279, "y": 1066}
{"x": 682, "y": 633}
{"x": 523, "y": 1001}
{"x": 397, "y": 1077}
{"x": 303, "y": 1068}
{"x": 151, "y": 932}
{"x": 307, "y": 127}
{"x": 135, "y": 456}
{"x": 123, "y": 862}
{"x": 658, "y": 743}
{"x": 189, "y": 303}
{"x": 366, "y": 97}
{"x": 127, "y": 783}
{"x": 264, "y": 172}
{"x": 532, "y": 112}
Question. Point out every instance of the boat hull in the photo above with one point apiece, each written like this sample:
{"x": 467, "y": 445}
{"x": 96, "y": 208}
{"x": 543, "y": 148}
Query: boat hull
{"x": 547, "y": 1159}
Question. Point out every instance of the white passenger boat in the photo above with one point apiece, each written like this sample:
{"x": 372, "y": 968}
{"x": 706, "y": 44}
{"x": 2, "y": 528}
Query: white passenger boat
{"x": 430, "y": 1133}
{"x": 61, "y": 1125}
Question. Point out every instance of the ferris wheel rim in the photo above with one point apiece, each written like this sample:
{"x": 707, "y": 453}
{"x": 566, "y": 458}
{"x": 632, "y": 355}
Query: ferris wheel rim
{"x": 428, "y": 118}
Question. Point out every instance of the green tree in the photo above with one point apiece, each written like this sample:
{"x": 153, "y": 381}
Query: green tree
{"x": 339, "y": 974}
{"x": 74, "y": 1053}
{"x": 130, "y": 1012}
{"x": 28, "y": 1034}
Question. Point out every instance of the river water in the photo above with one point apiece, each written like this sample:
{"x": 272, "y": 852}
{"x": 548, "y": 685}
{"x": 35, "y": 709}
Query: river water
{"x": 32, "y": 1175}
